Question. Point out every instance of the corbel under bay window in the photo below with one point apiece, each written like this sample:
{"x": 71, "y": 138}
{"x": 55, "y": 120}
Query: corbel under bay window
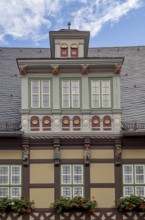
{"x": 72, "y": 180}
{"x": 100, "y": 93}
{"x": 40, "y": 93}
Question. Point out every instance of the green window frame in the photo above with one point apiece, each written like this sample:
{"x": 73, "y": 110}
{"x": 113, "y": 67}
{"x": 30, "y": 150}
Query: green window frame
{"x": 70, "y": 93}
{"x": 72, "y": 180}
{"x": 100, "y": 92}
{"x": 10, "y": 181}
{"x": 40, "y": 90}
{"x": 134, "y": 179}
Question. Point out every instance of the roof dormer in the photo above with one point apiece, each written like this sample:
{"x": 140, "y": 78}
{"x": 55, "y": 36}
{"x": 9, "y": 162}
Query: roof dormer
{"x": 69, "y": 43}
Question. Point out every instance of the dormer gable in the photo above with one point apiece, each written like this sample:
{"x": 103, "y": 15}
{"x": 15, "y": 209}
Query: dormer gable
{"x": 69, "y": 43}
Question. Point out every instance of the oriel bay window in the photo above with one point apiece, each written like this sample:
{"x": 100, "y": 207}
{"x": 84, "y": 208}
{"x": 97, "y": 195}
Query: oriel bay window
{"x": 100, "y": 93}
{"x": 70, "y": 93}
{"x": 40, "y": 93}
{"x": 134, "y": 180}
{"x": 72, "y": 180}
{"x": 10, "y": 181}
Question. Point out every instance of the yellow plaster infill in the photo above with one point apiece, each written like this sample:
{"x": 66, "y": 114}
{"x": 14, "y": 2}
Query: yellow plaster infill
{"x": 104, "y": 196}
{"x": 102, "y": 154}
{"x": 42, "y": 197}
{"x": 11, "y": 154}
{"x": 72, "y": 154}
{"x": 102, "y": 173}
{"x": 133, "y": 154}
{"x": 41, "y": 154}
{"x": 42, "y": 173}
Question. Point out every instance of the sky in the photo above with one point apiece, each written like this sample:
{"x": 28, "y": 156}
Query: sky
{"x": 26, "y": 23}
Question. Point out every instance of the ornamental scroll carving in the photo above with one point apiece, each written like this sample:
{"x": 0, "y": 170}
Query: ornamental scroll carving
{"x": 117, "y": 69}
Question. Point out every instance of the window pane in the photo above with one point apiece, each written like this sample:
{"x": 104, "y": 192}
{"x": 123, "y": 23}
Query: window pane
{"x": 35, "y": 101}
{"x": 35, "y": 96}
{"x": 46, "y": 101}
{"x": 77, "y": 191}
{"x": 75, "y": 87}
{"x": 66, "y": 101}
{"x": 15, "y": 192}
{"x": 66, "y": 192}
{"x": 45, "y": 87}
{"x": 4, "y": 175}
{"x": 128, "y": 190}
{"x": 78, "y": 175}
{"x": 139, "y": 174}
{"x": 106, "y": 93}
{"x": 128, "y": 174}
{"x": 66, "y": 94}
{"x": 95, "y": 101}
{"x": 139, "y": 191}
{"x": 95, "y": 93}
{"x": 95, "y": 86}
{"x": 106, "y": 101}
{"x": 106, "y": 86}
{"x": 75, "y": 93}
{"x": 4, "y": 192}
{"x": 15, "y": 175}
{"x": 75, "y": 101}
{"x": 35, "y": 87}
{"x": 66, "y": 175}
{"x": 66, "y": 87}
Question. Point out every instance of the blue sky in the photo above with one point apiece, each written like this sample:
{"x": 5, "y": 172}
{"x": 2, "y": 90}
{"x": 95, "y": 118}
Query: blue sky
{"x": 26, "y": 23}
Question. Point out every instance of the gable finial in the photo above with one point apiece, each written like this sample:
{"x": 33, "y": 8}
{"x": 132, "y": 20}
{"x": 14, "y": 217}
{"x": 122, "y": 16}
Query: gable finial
{"x": 69, "y": 24}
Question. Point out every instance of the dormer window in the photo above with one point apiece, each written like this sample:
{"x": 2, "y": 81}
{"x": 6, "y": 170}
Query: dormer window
{"x": 74, "y": 50}
{"x": 64, "y": 50}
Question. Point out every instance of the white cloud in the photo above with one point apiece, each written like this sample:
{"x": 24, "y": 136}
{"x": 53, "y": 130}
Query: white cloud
{"x": 25, "y": 18}
{"x": 32, "y": 19}
{"x": 100, "y": 12}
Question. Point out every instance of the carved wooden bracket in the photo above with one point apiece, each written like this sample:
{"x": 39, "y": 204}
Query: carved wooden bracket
{"x": 57, "y": 156}
{"x": 118, "y": 152}
{"x": 117, "y": 69}
{"x": 84, "y": 69}
{"x": 87, "y": 152}
{"x": 55, "y": 70}
{"x": 25, "y": 155}
{"x": 22, "y": 70}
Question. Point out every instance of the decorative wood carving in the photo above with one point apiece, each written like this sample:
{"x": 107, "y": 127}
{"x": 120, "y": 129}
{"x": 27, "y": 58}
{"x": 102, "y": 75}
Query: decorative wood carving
{"x": 87, "y": 152}
{"x": 57, "y": 156}
{"x": 84, "y": 69}
{"x": 22, "y": 70}
{"x": 118, "y": 152}
{"x": 25, "y": 155}
{"x": 55, "y": 70}
{"x": 117, "y": 69}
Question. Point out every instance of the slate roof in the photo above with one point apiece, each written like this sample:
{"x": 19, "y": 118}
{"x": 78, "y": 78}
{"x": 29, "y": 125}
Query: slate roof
{"x": 132, "y": 79}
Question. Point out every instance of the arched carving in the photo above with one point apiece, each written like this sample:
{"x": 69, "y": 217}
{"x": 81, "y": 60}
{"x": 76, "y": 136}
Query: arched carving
{"x": 95, "y": 123}
{"x": 34, "y": 123}
{"x": 65, "y": 123}
{"x": 46, "y": 123}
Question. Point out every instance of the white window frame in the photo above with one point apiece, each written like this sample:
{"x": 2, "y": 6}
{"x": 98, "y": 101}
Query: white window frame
{"x": 100, "y": 93}
{"x": 10, "y": 186}
{"x": 105, "y": 93}
{"x": 40, "y": 93}
{"x": 134, "y": 184}
{"x": 70, "y": 93}
{"x": 72, "y": 185}
{"x": 33, "y": 94}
